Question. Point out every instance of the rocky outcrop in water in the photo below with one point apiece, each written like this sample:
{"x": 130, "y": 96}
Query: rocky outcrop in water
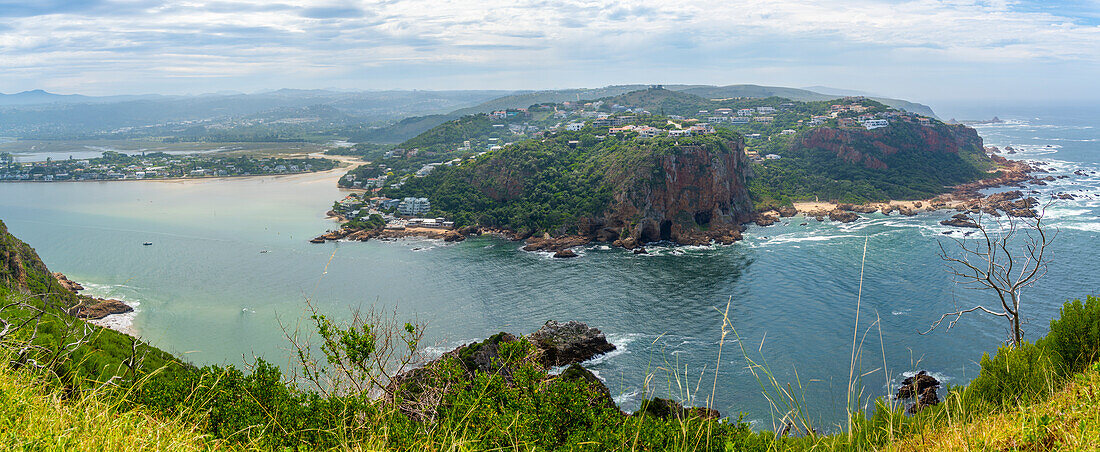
{"x": 548, "y": 243}
{"x": 363, "y": 235}
{"x": 98, "y": 308}
{"x": 570, "y": 342}
{"x": 960, "y": 220}
{"x": 843, "y": 216}
{"x": 921, "y": 387}
{"x": 565, "y": 254}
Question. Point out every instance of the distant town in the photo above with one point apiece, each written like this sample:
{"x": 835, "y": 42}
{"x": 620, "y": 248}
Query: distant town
{"x": 119, "y": 166}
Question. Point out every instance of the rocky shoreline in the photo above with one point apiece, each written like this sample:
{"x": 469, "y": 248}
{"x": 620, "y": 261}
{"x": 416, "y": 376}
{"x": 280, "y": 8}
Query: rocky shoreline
{"x": 965, "y": 199}
{"x": 91, "y": 308}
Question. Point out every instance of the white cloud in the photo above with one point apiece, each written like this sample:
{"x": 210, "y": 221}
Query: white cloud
{"x": 238, "y": 42}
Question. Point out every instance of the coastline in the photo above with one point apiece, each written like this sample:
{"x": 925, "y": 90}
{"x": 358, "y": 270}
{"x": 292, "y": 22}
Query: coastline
{"x": 104, "y": 312}
{"x": 962, "y": 198}
{"x": 342, "y": 160}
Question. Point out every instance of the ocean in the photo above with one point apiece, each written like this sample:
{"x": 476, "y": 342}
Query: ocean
{"x": 206, "y": 290}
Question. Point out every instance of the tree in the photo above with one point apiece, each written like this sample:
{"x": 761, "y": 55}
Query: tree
{"x": 1006, "y": 257}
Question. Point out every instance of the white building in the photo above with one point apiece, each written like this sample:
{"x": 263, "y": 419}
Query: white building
{"x": 872, "y": 124}
{"x": 648, "y": 132}
{"x": 765, "y": 110}
{"x": 574, "y": 126}
{"x": 414, "y": 206}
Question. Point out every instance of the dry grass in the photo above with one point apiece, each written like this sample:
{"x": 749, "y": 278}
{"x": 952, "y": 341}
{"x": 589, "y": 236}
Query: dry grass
{"x": 1070, "y": 420}
{"x": 36, "y": 418}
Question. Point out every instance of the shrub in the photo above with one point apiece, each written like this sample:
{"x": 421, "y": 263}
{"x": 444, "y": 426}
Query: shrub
{"x": 1074, "y": 337}
{"x": 1017, "y": 375}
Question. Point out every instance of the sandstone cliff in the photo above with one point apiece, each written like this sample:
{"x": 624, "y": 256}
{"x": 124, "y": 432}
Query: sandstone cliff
{"x": 879, "y": 148}
{"x": 697, "y": 194}
{"x": 572, "y": 189}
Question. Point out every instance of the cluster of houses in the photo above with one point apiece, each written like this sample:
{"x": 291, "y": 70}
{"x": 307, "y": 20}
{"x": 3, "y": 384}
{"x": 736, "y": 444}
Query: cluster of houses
{"x": 653, "y": 132}
{"x": 398, "y": 213}
{"x": 147, "y": 168}
{"x": 510, "y": 113}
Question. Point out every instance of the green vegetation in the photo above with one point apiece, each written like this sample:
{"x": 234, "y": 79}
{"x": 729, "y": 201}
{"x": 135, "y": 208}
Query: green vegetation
{"x": 819, "y": 159}
{"x": 902, "y": 161}
{"x": 45, "y": 417}
{"x": 459, "y": 403}
{"x": 547, "y": 185}
{"x": 32, "y": 298}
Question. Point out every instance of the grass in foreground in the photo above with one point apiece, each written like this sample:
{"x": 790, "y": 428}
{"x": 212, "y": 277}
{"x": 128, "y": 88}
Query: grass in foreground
{"x": 39, "y": 417}
{"x": 1070, "y": 420}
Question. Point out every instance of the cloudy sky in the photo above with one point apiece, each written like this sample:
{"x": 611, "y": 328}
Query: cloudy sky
{"x": 917, "y": 49}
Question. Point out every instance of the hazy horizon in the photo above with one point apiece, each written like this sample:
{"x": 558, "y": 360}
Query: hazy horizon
{"x": 921, "y": 50}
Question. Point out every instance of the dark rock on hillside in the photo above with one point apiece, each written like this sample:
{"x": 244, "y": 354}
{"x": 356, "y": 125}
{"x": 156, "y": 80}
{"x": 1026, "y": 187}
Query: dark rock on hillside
{"x": 669, "y": 409}
{"x": 567, "y": 343}
{"x": 960, "y": 220}
{"x": 787, "y": 211}
{"x": 481, "y": 356}
{"x": 576, "y": 372}
{"x": 67, "y": 283}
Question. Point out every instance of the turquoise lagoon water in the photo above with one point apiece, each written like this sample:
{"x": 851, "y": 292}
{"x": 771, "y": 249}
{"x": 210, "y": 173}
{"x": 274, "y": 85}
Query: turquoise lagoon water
{"x": 205, "y": 290}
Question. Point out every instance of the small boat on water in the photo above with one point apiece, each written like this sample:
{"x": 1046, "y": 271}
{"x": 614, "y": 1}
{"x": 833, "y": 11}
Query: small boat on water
{"x": 147, "y": 243}
{"x": 263, "y": 251}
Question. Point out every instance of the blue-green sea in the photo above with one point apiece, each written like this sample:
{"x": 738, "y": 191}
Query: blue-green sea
{"x": 206, "y": 291}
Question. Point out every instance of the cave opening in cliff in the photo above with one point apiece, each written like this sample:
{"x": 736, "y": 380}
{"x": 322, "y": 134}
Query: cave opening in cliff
{"x": 702, "y": 217}
{"x": 666, "y": 230}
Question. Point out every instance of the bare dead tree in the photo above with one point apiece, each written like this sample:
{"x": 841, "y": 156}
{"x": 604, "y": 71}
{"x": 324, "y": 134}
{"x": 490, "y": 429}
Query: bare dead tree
{"x": 1005, "y": 257}
{"x": 359, "y": 356}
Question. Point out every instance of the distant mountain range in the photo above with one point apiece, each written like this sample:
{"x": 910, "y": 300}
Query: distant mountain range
{"x": 411, "y": 127}
{"x": 379, "y": 116}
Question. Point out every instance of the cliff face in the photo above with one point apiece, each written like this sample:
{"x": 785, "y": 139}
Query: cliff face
{"x": 22, "y": 270}
{"x": 693, "y": 194}
{"x": 874, "y": 148}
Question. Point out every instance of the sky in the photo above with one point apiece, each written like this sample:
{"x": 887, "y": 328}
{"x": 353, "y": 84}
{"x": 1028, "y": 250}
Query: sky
{"x": 923, "y": 50}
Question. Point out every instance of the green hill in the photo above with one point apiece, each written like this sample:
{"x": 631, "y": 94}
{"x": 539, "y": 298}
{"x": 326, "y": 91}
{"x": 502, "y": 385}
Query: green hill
{"x": 413, "y": 126}
{"x": 680, "y": 189}
{"x": 31, "y": 294}
{"x": 902, "y": 161}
